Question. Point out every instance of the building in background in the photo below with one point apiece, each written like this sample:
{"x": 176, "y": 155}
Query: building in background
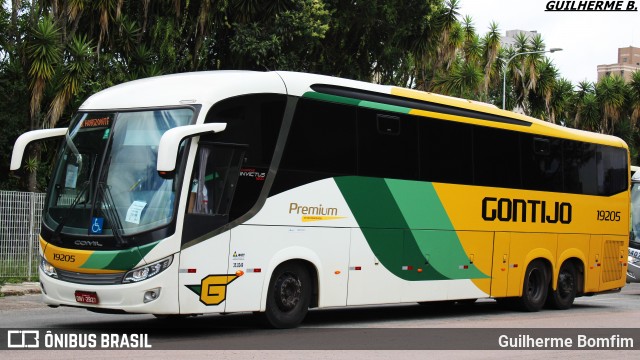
{"x": 510, "y": 39}
{"x": 628, "y": 62}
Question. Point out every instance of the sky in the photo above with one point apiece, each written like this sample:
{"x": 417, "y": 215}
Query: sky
{"x": 588, "y": 39}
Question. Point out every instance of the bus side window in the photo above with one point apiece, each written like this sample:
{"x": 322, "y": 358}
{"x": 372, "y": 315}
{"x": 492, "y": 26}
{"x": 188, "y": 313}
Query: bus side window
{"x": 541, "y": 163}
{"x": 214, "y": 179}
{"x": 387, "y": 145}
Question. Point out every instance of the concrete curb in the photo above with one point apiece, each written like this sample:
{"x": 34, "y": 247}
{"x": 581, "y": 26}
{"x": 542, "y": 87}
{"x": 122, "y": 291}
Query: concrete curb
{"x": 20, "y": 289}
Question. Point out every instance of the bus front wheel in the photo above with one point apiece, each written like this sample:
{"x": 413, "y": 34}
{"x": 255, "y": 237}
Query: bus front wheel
{"x": 562, "y": 298}
{"x": 288, "y": 296}
{"x": 535, "y": 287}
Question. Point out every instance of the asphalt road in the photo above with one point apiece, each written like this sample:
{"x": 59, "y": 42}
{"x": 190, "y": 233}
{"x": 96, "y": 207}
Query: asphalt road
{"x": 372, "y": 332}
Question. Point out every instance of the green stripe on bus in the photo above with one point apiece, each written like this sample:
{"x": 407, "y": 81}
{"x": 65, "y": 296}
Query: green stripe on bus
{"x": 384, "y": 227}
{"x": 419, "y": 204}
{"x": 330, "y": 98}
{"x": 356, "y": 102}
{"x": 387, "y": 209}
{"x": 385, "y": 107}
{"x": 118, "y": 259}
{"x": 422, "y": 209}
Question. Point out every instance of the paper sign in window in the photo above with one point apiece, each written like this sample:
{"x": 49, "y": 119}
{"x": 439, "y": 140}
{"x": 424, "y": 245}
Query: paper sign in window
{"x": 135, "y": 212}
{"x": 72, "y": 177}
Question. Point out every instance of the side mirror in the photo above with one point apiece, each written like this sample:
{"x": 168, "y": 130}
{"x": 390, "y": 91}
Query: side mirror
{"x": 24, "y": 140}
{"x": 171, "y": 139}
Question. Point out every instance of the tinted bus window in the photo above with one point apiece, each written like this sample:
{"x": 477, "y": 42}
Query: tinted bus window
{"x": 580, "y": 173}
{"x": 612, "y": 167}
{"x": 541, "y": 163}
{"x": 387, "y": 145}
{"x": 496, "y": 157}
{"x": 322, "y": 138}
{"x": 253, "y": 121}
{"x": 446, "y": 150}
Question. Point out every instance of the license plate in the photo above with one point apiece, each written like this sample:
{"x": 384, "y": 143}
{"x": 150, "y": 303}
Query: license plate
{"x": 87, "y": 297}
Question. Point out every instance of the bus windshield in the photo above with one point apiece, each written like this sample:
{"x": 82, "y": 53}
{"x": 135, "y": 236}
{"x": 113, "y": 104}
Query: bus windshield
{"x": 106, "y": 181}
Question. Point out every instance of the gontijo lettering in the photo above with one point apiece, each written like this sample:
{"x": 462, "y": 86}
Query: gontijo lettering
{"x": 521, "y": 210}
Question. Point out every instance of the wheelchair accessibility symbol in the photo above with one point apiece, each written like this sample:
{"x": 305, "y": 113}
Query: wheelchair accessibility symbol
{"x": 96, "y": 225}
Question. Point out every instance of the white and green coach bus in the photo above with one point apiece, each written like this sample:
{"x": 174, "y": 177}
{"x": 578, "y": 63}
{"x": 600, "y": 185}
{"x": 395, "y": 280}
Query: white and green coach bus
{"x": 276, "y": 192}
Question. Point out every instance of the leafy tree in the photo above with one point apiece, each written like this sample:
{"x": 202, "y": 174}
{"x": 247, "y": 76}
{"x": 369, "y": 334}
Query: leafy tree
{"x": 634, "y": 97}
{"x": 610, "y": 92}
{"x": 53, "y": 54}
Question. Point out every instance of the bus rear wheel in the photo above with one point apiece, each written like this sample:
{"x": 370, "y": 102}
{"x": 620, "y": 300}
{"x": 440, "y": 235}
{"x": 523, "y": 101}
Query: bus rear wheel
{"x": 564, "y": 295}
{"x": 288, "y": 297}
{"x": 535, "y": 287}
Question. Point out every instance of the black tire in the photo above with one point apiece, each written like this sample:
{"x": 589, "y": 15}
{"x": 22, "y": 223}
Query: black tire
{"x": 534, "y": 288}
{"x": 562, "y": 298}
{"x": 288, "y": 297}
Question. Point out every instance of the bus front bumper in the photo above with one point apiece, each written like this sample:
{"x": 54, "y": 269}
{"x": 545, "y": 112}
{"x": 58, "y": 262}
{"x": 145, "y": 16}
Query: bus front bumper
{"x": 156, "y": 295}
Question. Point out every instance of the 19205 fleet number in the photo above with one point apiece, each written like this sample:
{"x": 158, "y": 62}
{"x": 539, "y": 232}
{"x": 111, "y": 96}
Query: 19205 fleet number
{"x": 605, "y": 215}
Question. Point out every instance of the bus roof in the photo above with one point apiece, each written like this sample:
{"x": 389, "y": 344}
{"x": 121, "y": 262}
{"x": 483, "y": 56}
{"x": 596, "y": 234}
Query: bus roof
{"x": 209, "y": 87}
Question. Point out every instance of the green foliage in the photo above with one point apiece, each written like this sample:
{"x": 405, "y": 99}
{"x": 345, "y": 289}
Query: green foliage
{"x": 43, "y": 49}
{"x": 54, "y": 57}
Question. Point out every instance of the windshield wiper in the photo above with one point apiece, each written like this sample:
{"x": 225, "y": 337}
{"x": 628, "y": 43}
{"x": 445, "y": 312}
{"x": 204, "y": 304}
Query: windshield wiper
{"x": 76, "y": 201}
{"x": 111, "y": 213}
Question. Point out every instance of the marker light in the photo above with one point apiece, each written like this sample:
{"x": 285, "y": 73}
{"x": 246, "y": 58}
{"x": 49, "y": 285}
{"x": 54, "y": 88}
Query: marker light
{"x": 148, "y": 271}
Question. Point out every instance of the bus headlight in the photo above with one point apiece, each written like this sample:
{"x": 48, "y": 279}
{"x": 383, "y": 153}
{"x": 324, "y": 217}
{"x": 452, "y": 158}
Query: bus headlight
{"x": 147, "y": 271}
{"x": 47, "y": 268}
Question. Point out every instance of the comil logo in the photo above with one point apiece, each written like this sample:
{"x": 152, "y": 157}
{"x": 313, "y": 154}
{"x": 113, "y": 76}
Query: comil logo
{"x": 22, "y": 339}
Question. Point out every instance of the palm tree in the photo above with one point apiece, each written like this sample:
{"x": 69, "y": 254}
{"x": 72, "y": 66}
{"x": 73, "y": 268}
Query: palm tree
{"x": 472, "y": 50}
{"x": 525, "y": 73}
{"x": 582, "y": 89}
{"x": 491, "y": 49}
{"x": 468, "y": 29}
{"x": 533, "y": 62}
{"x": 546, "y": 86}
{"x": 76, "y": 69}
{"x": 464, "y": 80}
{"x": 611, "y": 95}
{"x": 439, "y": 46}
{"x": 455, "y": 42}
{"x": 44, "y": 52}
{"x": 448, "y": 21}
{"x": 634, "y": 97}
{"x": 588, "y": 115}
{"x": 516, "y": 69}
{"x": 562, "y": 98}
{"x": 106, "y": 10}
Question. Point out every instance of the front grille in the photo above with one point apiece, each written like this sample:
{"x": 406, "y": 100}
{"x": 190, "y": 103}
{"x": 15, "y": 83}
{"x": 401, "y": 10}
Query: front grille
{"x": 90, "y": 279}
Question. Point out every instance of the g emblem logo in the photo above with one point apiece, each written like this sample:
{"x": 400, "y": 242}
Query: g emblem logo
{"x": 213, "y": 288}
